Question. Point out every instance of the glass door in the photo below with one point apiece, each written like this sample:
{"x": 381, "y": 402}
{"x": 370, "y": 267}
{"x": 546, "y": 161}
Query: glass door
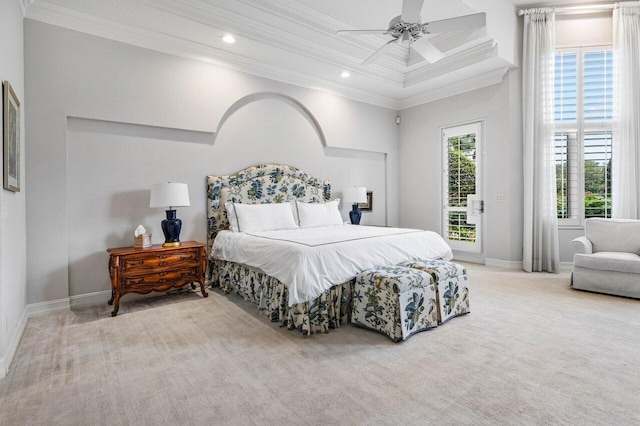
{"x": 463, "y": 205}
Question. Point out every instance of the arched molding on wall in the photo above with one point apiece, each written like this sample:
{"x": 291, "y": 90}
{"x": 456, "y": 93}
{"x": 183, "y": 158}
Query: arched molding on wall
{"x": 294, "y": 103}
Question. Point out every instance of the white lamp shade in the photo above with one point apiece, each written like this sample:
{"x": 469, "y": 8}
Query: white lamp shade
{"x": 169, "y": 195}
{"x": 355, "y": 194}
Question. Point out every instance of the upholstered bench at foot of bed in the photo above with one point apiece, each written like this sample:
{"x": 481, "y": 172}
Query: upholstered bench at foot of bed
{"x": 395, "y": 301}
{"x": 451, "y": 286}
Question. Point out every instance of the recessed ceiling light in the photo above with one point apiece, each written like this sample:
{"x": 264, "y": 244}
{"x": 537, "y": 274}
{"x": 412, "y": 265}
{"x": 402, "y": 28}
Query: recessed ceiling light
{"x": 228, "y": 38}
{"x": 345, "y": 74}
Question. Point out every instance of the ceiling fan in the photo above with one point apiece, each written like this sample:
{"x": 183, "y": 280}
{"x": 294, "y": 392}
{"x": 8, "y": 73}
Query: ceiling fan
{"x": 408, "y": 29}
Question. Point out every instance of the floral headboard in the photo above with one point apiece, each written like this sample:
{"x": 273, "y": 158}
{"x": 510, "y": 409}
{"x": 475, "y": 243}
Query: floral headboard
{"x": 265, "y": 183}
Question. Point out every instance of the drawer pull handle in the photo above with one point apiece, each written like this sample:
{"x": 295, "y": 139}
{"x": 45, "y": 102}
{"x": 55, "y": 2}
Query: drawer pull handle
{"x": 163, "y": 256}
{"x": 162, "y": 264}
{"x": 162, "y": 274}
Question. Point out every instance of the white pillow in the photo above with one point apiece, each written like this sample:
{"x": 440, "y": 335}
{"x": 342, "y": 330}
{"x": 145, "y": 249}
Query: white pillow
{"x": 264, "y": 217}
{"x": 294, "y": 209}
{"x": 231, "y": 215}
{"x": 233, "y": 219}
{"x": 313, "y": 215}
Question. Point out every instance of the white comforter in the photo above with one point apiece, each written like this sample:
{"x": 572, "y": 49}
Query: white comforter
{"x": 310, "y": 261}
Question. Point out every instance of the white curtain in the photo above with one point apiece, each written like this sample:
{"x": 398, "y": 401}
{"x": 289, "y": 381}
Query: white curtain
{"x": 540, "y": 240}
{"x": 625, "y": 167}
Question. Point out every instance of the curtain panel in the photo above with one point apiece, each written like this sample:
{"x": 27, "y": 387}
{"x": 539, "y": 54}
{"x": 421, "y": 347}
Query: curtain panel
{"x": 540, "y": 239}
{"x": 625, "y": 173}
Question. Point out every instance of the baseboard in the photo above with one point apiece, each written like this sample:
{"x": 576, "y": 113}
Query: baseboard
{"x": 64, "y": 305}
{"x": 503, "y": 264}
{"x": 5, "y": 362}
{"x": 566, "y": 267}
{"x": 90, "y": 299}
{"x": 47, "y": 308}
{"x": 517, "y": 264}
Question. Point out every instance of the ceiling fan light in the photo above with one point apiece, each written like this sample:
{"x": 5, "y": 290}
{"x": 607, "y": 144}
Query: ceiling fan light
{"x": 228, "y": 38}
{"x": 345, "y": 74}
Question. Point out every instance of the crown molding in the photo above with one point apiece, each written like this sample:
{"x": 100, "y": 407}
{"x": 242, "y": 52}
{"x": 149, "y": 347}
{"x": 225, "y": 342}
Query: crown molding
{"x": 66, "y": 18}
{"x": 462, "y": 59}
{"x": 317, "y": 21}
{"x": 392, "y": 70}
{"x": 261, "y": 33}
{"x": 395, "y": 67}
{"x": 483, "y": 80}
{"x": 24, "y": 5}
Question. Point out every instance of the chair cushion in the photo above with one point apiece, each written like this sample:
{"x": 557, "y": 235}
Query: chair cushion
{"x": 395, "y": 279}
{"x": 609, "y": 261}
{"x": 617, "y": 235}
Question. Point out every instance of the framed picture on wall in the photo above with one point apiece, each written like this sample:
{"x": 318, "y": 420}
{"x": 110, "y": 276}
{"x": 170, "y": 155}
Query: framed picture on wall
{"x": 368, "y": 206}
{"x": 11, "y": 138}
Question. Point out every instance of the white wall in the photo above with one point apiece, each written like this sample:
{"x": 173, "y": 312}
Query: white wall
{"x": 95, "y": 175}
{"x": 591, "y": 29}
{"x": 12, "y": 205}
{"x": 502, "y": 24}
{"x": 420, "y": 158}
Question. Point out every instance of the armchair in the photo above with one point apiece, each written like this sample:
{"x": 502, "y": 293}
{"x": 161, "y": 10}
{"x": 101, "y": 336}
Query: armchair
{"x": 607, "y": 258}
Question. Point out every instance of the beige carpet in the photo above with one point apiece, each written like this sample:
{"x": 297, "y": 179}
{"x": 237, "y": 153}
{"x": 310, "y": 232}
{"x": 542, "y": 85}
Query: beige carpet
{"x": 532, "y": 351}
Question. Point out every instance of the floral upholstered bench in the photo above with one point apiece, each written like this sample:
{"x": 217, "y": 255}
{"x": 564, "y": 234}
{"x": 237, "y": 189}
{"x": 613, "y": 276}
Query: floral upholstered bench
{"x": 451, "y": 286}
{"x": 395, "y": 301}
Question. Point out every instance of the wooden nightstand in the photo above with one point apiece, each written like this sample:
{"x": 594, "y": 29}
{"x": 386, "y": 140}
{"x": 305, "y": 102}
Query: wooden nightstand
{"x": 157, "y": 268}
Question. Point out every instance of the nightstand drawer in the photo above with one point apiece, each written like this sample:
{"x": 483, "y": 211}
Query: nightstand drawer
{"x": 161, "y": 278}
{"x": 157, "y": 268}
{"x": 140, "y": 263}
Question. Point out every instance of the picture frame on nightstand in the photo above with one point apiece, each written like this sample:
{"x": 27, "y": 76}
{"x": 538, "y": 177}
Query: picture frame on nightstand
{"x": 368, "y": 206}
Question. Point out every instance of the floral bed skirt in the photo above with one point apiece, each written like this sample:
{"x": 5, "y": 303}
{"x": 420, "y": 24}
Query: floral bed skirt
{"x": 329, "y": 310}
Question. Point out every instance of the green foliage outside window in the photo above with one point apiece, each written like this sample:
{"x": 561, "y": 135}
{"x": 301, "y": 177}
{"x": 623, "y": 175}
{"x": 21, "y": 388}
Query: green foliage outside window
{"x": 462, "y": 182}
{"x": 597, "y": 189}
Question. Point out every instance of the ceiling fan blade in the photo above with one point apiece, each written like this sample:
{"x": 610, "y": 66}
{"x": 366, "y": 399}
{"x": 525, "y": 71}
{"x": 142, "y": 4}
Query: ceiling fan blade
{"x": 378, "y": 52}
{"x": 456, "y": 24}
{"x": 358, "y": 32}
{"x": 411, "y": 10}
{"x": 427, "y": 50}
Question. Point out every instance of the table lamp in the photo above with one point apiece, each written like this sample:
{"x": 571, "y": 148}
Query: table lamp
{"x": 170, "y": 195}
{"x": 355, "y": 195}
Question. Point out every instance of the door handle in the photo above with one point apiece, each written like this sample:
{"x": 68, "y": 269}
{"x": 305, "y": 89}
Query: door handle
{"x": 475, "y": 207}
{"x": 480, "y": 207}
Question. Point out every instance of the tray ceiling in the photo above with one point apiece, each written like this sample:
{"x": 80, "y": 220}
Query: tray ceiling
{"x": 294, "y": 41}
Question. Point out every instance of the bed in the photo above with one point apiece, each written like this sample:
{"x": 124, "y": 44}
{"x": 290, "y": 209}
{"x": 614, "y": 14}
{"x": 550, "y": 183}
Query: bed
{"x": 311, "y": 288}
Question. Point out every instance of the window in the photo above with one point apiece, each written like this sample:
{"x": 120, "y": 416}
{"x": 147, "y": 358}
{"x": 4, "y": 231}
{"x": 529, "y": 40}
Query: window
{"x": 583, "y": 139}
{"x": 461, "y": 152}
